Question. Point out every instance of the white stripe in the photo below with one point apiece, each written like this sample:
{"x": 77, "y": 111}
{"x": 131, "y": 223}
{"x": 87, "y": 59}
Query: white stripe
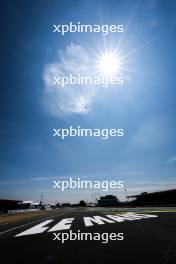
{"x": 29, "y": 223}
{"x": 6, "y": 231}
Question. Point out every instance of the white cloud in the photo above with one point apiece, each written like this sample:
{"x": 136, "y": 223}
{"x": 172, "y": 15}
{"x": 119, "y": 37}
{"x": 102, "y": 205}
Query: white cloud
{"x": 63, "y": 101}
{"x": 173, "y": 159}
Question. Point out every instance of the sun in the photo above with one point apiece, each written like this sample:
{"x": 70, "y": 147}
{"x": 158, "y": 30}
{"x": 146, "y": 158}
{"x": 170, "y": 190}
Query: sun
{"x": 108, "y": 64}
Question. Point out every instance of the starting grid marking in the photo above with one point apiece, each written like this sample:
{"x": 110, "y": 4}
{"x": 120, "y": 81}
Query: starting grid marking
{"x": 66, "y": 223}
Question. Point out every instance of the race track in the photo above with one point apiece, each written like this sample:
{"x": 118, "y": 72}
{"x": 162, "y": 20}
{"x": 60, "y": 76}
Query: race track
{"x": 148, "y": 240}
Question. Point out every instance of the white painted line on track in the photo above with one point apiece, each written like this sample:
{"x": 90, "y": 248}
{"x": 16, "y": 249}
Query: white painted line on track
{"x": 6, "y": 231}
{"x": 38, "y": 220}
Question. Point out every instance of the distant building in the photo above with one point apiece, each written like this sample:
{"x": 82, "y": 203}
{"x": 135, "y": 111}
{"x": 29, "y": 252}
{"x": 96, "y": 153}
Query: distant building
{"x": 24, "y": 204}
{"x": 162, "y": 198}
{"x": 6, "y": 205}
{"x": 108, "y": 200}
{"x": 34, "y": 205}
{"x": 65, "y": 205}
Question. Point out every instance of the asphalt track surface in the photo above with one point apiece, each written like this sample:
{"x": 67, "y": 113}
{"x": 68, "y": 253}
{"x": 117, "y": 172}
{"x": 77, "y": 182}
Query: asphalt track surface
{"x": 151, "y": 240}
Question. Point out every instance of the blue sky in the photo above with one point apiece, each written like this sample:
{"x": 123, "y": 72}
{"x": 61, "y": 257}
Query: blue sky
{"x": 145, "y": 158}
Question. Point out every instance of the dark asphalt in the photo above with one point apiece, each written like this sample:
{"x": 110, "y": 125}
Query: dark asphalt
{"x": 150, "y": 240}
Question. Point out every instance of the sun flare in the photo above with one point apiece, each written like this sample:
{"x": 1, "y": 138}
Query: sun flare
{"x": 108, "y": 64}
